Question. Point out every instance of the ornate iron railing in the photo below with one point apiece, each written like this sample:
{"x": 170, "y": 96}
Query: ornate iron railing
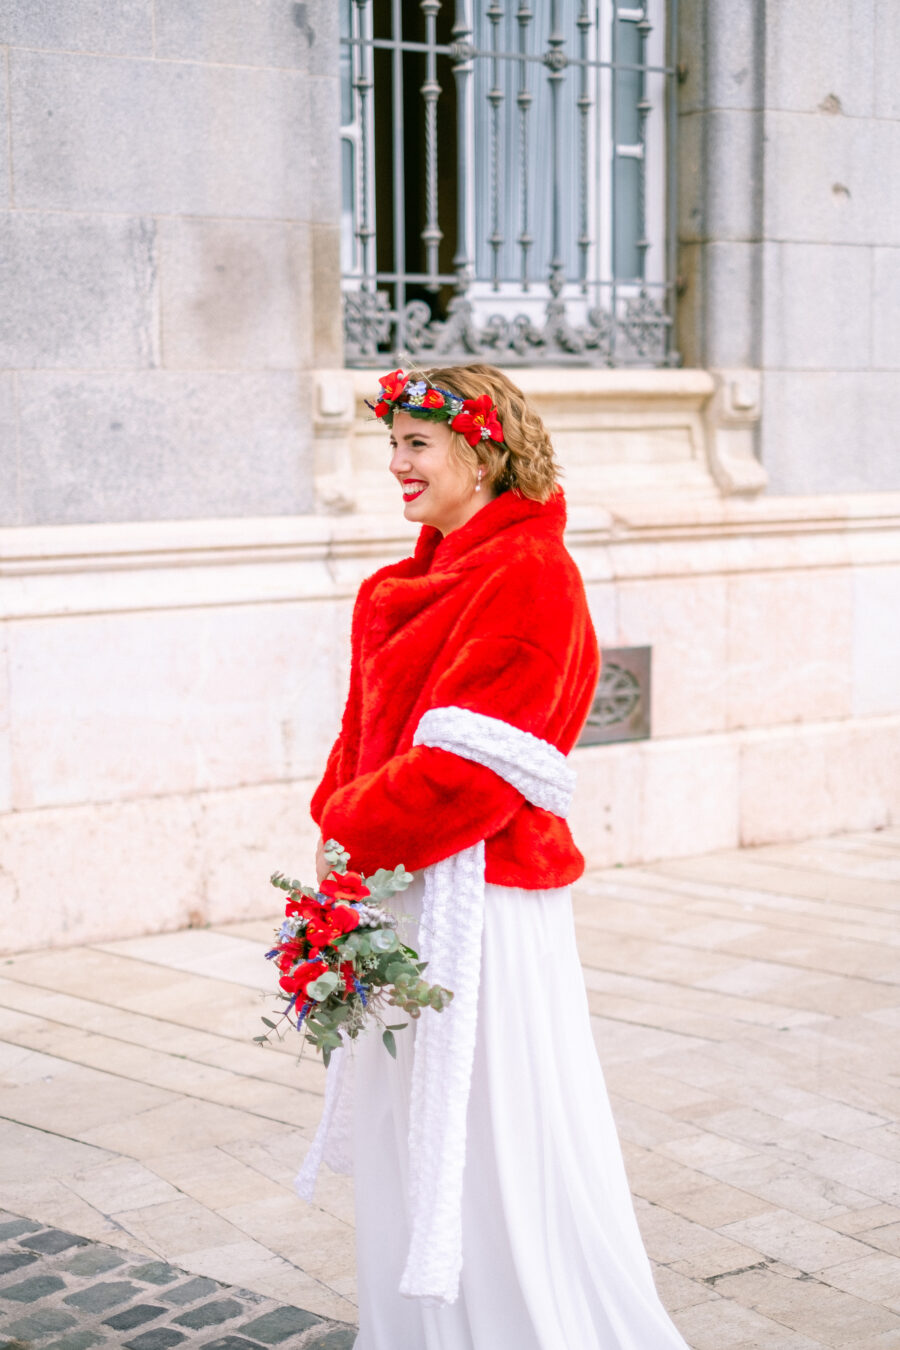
{"x": 521, "y": 211}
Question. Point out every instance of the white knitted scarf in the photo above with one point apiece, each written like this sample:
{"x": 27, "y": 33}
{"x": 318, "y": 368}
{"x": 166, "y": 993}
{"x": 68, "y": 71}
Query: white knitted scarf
{"x": 449, "y": 938}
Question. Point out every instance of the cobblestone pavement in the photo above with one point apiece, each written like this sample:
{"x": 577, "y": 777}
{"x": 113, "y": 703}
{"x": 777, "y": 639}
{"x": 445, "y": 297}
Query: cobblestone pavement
{"x": 746, "y": 1007}
{"x": 59, "y": 1291}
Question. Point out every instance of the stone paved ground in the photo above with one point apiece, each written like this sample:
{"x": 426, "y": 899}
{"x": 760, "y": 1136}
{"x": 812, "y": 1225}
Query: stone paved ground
{"x": 747, "y": 1010}
{"x": 59, "y": 1291}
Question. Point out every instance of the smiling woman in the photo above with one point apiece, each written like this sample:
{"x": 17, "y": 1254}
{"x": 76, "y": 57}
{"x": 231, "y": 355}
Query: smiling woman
{"x": 492, "y": 1206}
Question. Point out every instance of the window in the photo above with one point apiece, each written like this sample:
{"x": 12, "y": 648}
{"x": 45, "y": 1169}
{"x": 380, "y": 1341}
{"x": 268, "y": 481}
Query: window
{"x": 507, "y": 181}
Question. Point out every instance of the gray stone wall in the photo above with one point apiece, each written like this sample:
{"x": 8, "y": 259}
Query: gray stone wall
{"x": 169, "y": 222}
{"x": 789, "y": 208}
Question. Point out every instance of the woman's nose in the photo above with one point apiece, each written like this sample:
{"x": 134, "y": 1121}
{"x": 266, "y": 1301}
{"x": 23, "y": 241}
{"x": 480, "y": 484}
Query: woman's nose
{"x": 399, "y": 463}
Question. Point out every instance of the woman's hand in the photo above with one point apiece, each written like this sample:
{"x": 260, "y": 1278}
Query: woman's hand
{"x": 322, "y": 867}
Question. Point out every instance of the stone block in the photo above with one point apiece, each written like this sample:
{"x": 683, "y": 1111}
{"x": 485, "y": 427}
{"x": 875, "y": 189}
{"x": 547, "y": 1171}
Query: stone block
{"x": 886, "y": 92}
{"x": 53, "y": 1240}
{"x": 96, "y": 1260}
{"x": 732, "y": 315}
{"x": 160, "y": 1338}
{"x": 720, "y": 175}
{"x": 337, "y": 1338}
{"x": 821, "y": 59}
{"x": 44, "y": 1321}
{"x": 5, "y": 167}
{"x": 191, "y": 859}
{"x": 266, "y": 33}
{"x": 832, "y": 431}
{"x": 832, "y": 179}
{"x": 684, "y": 620}
{"x": 156, "y": 1272}
{"x": 232, "y": 1343}
{"x": 163, "y": 445}
{"x": 10, "y": 1261}
{"x": 817, "y": 306}
{"x": 723, "y": 49}
{"x": 96, "y": 1298}
{"x": 876, "y": 645}
{"x": 189, "y": 139}
{"x": 125, "y": 28}
{"x": 839, "y": 775}
{"x": 789, "y": 640}
{"x": 211, "y": 1314}
{"x": 135, "y": 1316}
{"x": 9, "y": 451}
{"x": 886, "y": 308}
{"x": 29, "y": 1291}
{"x": 276, "y": 1326}
{"x": 78, "y": 1340}
{"x": 12, "y": 1228}
{"x": 78, "y": 292}
{"x": 181, "y": 701}
{"x": 236, "y": 295}
{"x": 328, "y": 330}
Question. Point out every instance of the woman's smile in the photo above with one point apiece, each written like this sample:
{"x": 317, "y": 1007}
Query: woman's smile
{"x": 412, "y": 488}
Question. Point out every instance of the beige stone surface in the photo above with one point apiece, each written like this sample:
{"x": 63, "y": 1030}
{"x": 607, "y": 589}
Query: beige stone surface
{"x": 745, "y": 1006}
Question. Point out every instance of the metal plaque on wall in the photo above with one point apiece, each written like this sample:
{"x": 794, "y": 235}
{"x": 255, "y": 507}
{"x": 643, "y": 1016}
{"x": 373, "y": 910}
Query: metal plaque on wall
{"x": 621, "y": 707}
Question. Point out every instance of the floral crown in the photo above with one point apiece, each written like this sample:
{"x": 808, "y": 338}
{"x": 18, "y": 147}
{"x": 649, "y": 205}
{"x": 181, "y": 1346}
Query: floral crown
{"x": 474, "y": 418}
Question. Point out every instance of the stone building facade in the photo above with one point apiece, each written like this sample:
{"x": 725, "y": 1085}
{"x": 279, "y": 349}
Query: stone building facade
{"x": 190, "y": 492}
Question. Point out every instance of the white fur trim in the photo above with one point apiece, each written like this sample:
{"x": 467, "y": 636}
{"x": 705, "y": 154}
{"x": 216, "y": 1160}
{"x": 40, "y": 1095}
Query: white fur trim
{"x": 450, "y": 940}
{"x": 540, "y": 771}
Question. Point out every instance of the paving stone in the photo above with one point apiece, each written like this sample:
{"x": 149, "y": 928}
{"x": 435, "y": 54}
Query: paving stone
{"x": 156, "y": 1272}
{"x": 41, "y": 1322}
{"x": 135, "y": 1316}
{"x": 29, "y": 1291}
{"x": 160, "y": 1338}
{"x": 190, "y": 1292}
{"x": 52, "y": 1241}
{"x": 274, "y": 1327}
{"x": 340, "y": 1338}
{"x": 232, "y": 1343}
{"x": 210, "y": 1314}
{"x": 95, "y": 1261}
{"x": 98, "y": 1297}
{"x": 78, "y": 1340}
{"x": 10, "y": 1261}
{"x": 11, "y": 1228}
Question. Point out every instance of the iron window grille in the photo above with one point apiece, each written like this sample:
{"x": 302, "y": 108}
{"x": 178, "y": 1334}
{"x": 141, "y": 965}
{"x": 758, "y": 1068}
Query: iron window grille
{"x": 508, "y": 181}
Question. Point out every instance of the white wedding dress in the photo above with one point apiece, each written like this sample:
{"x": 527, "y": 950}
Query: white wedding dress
{"x": 552, "y": 1255}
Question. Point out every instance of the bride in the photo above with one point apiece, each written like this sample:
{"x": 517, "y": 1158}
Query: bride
{"x": 492, "y": 1207}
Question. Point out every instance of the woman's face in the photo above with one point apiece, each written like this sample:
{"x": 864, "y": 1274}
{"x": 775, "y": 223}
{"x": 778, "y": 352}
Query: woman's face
{"x": 437, "y": 489}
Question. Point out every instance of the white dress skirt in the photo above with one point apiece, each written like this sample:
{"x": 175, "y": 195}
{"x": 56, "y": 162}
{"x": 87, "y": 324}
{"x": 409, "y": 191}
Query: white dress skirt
{"x": 552, "y": 1254}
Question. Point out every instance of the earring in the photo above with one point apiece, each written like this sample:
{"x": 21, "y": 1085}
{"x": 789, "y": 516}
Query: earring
{"x": 480, "y": 476}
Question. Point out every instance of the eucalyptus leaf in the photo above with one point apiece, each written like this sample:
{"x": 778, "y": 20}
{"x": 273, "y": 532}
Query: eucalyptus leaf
{"x": 390, "y": 1043}
{"x": 384, "y": 940}
{"x": 267, "y": 1022}
{"x": 323, "y": 986}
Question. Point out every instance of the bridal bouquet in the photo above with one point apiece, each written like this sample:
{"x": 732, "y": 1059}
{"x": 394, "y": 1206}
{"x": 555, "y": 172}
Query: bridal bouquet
{"x": 341, "y": 960}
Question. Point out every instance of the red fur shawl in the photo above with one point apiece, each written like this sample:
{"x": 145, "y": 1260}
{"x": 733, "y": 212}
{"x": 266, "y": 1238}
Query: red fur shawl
{"x": 492, "y": 618}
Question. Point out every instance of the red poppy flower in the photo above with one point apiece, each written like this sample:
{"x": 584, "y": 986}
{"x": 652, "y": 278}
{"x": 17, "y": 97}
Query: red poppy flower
{"x": 478, "y": 420}
{"x": 305, "y": 907}
{"x": 392, "y": 386}
{"x": 433, "y": 399}
{"x": 348, "y": 976}
{"x": 302, "y": 977}
{"x": 289, "y": 954}
{"x": 349, "y": 886}
{"x": 331, "y": 923}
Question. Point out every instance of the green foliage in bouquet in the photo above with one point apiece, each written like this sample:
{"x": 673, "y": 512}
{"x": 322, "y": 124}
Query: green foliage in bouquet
{"x": 341, "y": 960}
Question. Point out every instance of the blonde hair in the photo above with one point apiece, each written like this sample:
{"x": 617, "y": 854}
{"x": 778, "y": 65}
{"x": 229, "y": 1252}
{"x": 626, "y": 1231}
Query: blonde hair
{"x": 523, "y": 461}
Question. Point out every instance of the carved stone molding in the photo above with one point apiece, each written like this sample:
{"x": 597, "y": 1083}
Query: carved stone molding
{"x": 732, "y": 417}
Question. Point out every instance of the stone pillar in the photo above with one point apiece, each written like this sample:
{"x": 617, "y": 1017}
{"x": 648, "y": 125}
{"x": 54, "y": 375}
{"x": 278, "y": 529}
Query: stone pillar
{"x": 169, "y": 220}
{"x": 789, "y": 228}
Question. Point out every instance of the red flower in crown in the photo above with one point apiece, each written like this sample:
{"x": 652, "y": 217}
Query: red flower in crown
{"x": 392, "y": 386}
{"x": 433, "y": 399}
{"x": 478, "y": 420}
